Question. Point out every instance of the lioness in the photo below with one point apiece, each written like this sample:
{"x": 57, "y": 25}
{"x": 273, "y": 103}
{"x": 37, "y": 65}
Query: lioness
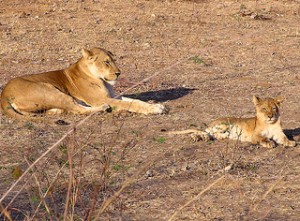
{"x": 262, "y": 129}
{"x": 84, "y": 87}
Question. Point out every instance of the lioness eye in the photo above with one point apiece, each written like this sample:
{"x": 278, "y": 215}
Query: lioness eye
{"x": 264, "y": 109}
{"x": 107, "y": 62}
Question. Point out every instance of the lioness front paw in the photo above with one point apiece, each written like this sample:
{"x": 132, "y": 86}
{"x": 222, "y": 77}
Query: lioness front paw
{"x": 105, "y": 108}
{"x": 158, "y": 109}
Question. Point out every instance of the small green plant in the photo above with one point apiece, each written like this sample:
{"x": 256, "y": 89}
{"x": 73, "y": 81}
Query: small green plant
{"x": 34, "y": 199}
{"x": 29, "y": 125}
{"x": 16, "y": 172}
{"x": 159, "y": 139}
{"x": 134, "y": 132}
{"x": 63, "y": 148}
{"x": 242, "y": 7}
{"x": 197, "y": 60}
{"x": 117, "y": 167}
{"x": 62, "y": 162}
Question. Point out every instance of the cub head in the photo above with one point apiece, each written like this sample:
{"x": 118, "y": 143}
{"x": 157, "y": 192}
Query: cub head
{"x": 267, "y": 109}
{"x": 100, "y": 64}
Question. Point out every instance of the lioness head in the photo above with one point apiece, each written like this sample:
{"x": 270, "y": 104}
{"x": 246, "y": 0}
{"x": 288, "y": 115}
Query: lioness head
{"x": 267, "y": 109}
{"x": 101, "y": 64}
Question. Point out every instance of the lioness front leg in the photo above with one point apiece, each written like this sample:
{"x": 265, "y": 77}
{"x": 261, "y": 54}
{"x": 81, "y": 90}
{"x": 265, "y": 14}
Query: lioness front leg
{"x": 76, "y": 109}
{"x": 136, "y": 106}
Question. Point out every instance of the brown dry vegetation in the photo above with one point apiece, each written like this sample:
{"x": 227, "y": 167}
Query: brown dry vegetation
{"x": 211, "y": 57}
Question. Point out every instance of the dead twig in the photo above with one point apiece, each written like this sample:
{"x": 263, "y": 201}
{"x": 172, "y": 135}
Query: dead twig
{"x": 227, "y": 168}
{"x": 125, "y": 184}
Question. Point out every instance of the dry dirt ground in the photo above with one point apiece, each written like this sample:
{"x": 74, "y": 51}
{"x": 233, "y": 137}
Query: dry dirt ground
{"x": 207, "y": 59}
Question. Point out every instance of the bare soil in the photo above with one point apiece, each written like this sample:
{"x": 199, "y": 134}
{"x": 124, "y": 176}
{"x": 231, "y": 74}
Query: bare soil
{"x": 207, "y": 59}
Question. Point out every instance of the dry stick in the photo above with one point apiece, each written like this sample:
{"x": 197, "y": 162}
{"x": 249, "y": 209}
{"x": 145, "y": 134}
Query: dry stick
{"x": 125, "y": 184}
{"x": 74, "y": 180}
{"x": 70, "y": 158}
{"x": 43, "y": 155}
{"x": 53, "y": 181}
{"x": 196, "y": 197}
{"x": 32, "y": 165}
{"x": 15, "y": 196}
{"x": 40, "y": 190}
{"x": 5, "y": 213}
{"x": 267, "y": 192}
{"x": 224, "y": 170}
{"x": 90, "y": 115}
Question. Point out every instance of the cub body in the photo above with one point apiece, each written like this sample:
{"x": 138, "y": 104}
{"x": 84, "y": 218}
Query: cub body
{"x": 263, "y": 129}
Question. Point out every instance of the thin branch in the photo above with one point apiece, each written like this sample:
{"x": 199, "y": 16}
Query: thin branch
{"x": 196, "y": 197}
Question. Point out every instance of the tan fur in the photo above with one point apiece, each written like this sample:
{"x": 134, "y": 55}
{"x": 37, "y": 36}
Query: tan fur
{"x": 264, "y": 129}
{"x": 84, "y": 87}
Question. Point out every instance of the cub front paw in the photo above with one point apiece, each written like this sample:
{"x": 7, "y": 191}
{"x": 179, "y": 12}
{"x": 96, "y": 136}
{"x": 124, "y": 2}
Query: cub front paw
{"x": 267, "y": 144}
{"x": 200, "y": 136}
{"x": 290, "y": 143}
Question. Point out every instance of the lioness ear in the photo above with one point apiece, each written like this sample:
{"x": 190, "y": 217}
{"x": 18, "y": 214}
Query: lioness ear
{"x": 86, "y": 53}
{"x": 256, "y": 99}
{"x": 110, "y": 54}
{"x": 279, "y": 99}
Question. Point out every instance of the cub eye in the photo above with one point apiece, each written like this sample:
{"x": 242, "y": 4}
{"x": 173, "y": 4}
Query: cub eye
{"x": 264, "y": 109}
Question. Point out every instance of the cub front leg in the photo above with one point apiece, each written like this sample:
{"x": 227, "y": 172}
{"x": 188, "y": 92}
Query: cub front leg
{"x": 263, "y": 141}
{"x": 281, "y": 138}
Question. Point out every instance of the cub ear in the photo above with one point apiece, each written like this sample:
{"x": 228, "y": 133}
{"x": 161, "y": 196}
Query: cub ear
{"x": 279, "y": 99}
{"x": 256, "y": 99}
{"x": 86, "y": 53}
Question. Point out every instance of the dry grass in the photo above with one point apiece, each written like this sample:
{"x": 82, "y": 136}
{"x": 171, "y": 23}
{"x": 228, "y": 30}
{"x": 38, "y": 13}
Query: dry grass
{"x": 225, "y": 51}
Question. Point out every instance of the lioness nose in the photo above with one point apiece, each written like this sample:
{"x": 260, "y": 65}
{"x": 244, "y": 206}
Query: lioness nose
{"x": 118, "y": 74}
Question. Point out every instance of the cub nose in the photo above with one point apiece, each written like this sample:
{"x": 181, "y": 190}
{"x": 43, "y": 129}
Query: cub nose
{"x": 118, "y": 73}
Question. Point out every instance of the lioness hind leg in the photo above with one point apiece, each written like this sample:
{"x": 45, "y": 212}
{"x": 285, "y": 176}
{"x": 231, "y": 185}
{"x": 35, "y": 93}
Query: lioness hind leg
{"x": 54, "y": 111}
{"x": 45, "y": 97}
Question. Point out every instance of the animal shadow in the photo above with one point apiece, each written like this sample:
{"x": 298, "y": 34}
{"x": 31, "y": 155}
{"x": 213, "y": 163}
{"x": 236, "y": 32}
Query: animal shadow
{"x": 292, "y": 133}
{"x": 162, "y": 95}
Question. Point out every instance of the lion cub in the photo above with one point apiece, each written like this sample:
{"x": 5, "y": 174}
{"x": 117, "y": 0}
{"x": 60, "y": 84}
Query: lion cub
{"x": 262, "y": 129}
